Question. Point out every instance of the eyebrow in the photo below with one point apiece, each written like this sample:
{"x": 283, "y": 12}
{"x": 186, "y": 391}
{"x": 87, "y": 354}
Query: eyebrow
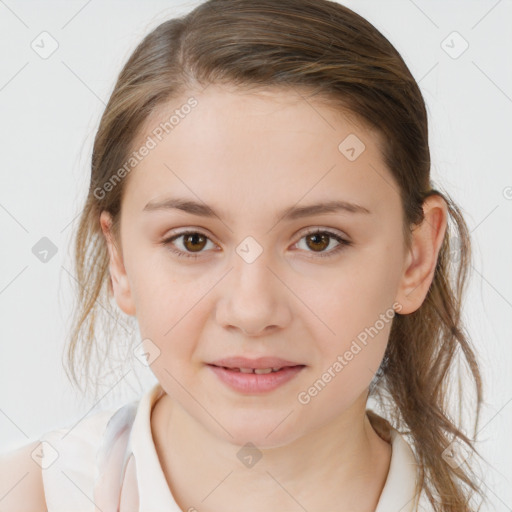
{"x": 290, "y": 213}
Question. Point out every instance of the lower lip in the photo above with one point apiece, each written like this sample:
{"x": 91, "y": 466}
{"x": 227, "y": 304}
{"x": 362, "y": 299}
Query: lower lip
{"x": 253, "y": 382}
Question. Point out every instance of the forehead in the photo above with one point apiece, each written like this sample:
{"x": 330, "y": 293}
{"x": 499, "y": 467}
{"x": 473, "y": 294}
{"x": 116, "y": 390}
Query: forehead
{"x": 257, "y": 148}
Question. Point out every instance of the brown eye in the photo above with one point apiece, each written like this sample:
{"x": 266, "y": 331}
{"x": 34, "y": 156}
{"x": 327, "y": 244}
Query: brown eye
{"x": 194, "y": 241}
{"x": 191, "y": 244}
{"x": 319, "y": 241}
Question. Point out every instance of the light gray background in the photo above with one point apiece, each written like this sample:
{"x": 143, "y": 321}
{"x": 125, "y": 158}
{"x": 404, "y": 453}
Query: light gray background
{"x": 50, "y": 108}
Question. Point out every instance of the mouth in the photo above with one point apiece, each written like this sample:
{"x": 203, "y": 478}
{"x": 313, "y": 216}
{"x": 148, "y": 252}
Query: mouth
{"x": 253, "y": 376}
{"x": 259, "y": 363}
{"x": 258, "y": 371}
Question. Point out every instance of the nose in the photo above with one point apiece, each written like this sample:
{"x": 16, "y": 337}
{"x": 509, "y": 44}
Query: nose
{"x": 253, "y": 299}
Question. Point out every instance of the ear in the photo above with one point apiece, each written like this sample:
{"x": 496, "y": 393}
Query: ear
{"x": 421, "y": 259}
{"x": 119, "y": 279}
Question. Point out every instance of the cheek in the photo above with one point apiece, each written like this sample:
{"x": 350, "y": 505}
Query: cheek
{"x": 160, "y": 297}
{"x": 357, "y": 349}
{"x": 352, "y": 301}
{"x": 356, "y": 316}
{"x": 168, "y": 313}
{"x": 347, "y": 369}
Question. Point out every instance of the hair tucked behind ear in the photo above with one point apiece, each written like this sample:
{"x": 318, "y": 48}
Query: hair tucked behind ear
{"x": 324, "y": 49}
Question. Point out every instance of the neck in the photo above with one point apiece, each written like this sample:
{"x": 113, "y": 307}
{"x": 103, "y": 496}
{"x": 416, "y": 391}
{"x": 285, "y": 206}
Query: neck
{"x": 341, "y": 466}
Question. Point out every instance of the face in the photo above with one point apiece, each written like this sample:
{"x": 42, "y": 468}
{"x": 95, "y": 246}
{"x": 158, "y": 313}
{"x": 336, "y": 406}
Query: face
{"x": 316, "y": 289}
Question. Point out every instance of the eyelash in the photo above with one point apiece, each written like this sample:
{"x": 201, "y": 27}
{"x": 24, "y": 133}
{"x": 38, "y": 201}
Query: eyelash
{"x": 342, "y": 243}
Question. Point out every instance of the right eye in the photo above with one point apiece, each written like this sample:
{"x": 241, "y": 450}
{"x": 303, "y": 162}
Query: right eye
{"x": 193, "y": 241}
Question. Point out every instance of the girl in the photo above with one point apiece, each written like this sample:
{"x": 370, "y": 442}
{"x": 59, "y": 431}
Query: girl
{"x": 260, "y": 201}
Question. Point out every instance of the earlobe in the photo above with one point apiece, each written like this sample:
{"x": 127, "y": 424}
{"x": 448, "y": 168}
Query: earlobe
{"x": 421, "y": 259}
{"x": 119, "y": 279}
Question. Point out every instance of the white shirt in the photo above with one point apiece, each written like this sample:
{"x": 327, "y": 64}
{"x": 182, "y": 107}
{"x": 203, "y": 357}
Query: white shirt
{"x": 72, "y": 458}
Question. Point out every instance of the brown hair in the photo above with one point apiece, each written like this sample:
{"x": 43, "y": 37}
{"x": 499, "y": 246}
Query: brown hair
{"x": 321, "y": 47}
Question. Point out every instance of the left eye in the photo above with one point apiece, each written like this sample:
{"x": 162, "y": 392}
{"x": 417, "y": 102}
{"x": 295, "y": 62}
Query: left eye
{"x": 320, "y": 238}
{"x": 195, "y": 242}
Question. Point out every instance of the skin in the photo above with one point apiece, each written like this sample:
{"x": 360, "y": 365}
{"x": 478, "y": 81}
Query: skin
{"x": 249, "y": 155}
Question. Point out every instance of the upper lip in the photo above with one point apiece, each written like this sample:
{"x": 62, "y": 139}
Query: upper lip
{"x": 260, "y": 362}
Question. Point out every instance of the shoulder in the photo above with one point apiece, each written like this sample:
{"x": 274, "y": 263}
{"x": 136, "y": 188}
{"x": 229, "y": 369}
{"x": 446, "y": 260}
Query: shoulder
{"x": 56, "y": 471}
{"x": 61, "y": 470}
{"x": 21, "y": 481}
{"x": 69, "y": 461}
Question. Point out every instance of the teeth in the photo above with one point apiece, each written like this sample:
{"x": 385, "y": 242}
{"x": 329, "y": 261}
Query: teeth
{"x": 262, "y": 370}
{"x": 259, "y": 371}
